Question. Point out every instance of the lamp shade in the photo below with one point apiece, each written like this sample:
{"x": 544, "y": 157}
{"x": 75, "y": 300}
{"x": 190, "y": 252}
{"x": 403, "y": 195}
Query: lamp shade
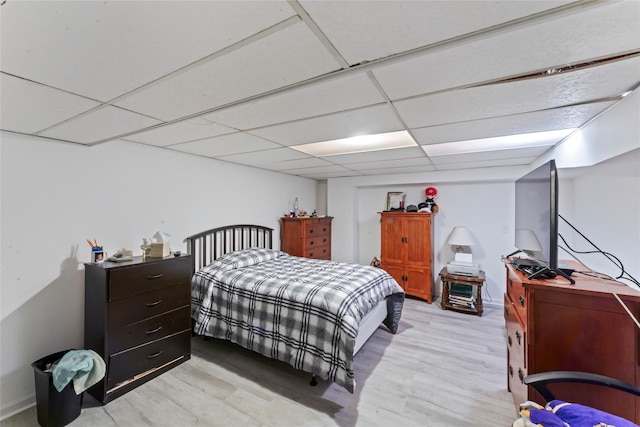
{"x": 460, "y": 236}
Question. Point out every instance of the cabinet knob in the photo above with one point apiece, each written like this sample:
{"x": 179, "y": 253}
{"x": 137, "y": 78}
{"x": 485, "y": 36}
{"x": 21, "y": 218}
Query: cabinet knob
{"x": 521, "y": 300}
{"x": 509, "y": 340}
{"x": 521, "y": 375}
{"x": 518, "y": 336}
{"x": 510, "y": 370}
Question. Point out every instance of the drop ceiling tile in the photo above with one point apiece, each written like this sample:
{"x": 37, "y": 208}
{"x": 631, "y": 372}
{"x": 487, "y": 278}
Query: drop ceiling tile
{"x": 517, "y": 161}
{"x": 370, "y": 30}
{"x": 281, "y": 58}
{"x": 340, "y": 94}
{"x": 104, "y": 49}
{"x": 392, "y": 171}
{"x": 175, "y": 133}
{"x": 537, "y": 121}
{"x": 225, "y": 145}
{"x": 597, "y": 31}
{"x": 379, "y": 156}
{"x": 489, "y": 155}
{"x": 30, "y": 107}
{"x": 522, "y": 96}
{"x": 102, "y": 123}
{"x": 317, "y": 169}
{"x": 376, "y": 119}
{"x": 321, "y": 176}
{"x": 417, "y": 162}
{"x": 310, "y": 162}
{"x": 265, "y": 158}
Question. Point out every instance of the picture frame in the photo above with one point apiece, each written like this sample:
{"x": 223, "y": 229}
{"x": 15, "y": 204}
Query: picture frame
{"x": 395, "y": 200}
{"x": 97, "y": 256}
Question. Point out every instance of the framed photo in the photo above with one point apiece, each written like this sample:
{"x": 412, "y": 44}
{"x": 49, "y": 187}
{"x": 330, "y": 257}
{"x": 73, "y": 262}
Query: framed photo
{"x": 97, "y": 256}
{"x": 395, "y": 200}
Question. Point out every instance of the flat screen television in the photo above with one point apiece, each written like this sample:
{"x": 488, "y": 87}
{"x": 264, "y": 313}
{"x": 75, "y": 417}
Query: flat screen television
{"x": 536, "y": 221}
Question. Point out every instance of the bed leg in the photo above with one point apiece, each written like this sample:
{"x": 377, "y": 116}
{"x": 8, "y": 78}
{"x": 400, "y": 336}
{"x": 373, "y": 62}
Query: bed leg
{"x": 313, "y": 381}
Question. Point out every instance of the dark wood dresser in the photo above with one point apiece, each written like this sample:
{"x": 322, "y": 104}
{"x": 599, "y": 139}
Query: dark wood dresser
{"x": 555, "y": 326}
{"x": 138, "y": 318}
{"x": 306, "y": 237}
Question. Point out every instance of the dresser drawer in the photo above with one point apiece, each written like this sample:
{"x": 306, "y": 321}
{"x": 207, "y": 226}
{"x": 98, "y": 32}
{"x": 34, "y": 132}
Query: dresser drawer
{"x": 143, "y": 306}
{"x": 516, "y": 292}
{"x": 317, "y": 241}
{"x": 127, "y": 281}
{"x": 149, "y": 330}
{"x": 322, "y": 252}
{"x": 128, "y": 364}
{"x": 315, "y": 229}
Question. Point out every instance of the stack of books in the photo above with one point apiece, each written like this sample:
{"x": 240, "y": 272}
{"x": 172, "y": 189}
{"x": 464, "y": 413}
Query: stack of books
{"x": 461, "y": 295}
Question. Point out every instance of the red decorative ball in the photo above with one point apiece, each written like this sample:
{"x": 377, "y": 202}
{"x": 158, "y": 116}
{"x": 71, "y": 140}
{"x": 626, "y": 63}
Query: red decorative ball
{"x": 431, "y": 191}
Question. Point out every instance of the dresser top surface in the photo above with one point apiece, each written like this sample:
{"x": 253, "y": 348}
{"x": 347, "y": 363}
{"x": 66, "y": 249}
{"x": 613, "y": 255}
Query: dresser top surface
{"x": 137, "y": 260}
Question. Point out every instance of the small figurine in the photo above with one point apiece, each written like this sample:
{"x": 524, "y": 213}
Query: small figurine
{"x": 430, "y": 203}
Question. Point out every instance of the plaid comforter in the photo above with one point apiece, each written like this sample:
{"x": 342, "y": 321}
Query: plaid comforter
{"x": 301, "y": 311}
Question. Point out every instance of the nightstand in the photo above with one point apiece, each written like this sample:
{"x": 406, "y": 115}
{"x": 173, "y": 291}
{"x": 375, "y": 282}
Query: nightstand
{"x": 458, "y": 292}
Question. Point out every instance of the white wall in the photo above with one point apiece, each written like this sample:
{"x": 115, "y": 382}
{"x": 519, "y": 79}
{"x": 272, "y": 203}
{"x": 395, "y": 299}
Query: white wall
{"x": 56, "y": 195}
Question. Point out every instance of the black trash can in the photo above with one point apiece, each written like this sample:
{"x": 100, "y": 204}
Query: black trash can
{"x": 55, "y": 408}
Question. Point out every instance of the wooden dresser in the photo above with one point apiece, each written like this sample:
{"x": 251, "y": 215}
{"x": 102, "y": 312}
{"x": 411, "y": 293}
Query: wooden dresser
{"x": 306, "y": 237}
{"x": 555, "y": 326}
{"x": 406, "y": 251}
{"x": 138, "y": 318}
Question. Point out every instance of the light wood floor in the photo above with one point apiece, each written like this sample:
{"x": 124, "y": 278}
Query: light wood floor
{"x": 442, "y": 369}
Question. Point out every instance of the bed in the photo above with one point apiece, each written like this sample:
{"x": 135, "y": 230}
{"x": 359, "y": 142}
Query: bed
{"x": 313, "y": 314}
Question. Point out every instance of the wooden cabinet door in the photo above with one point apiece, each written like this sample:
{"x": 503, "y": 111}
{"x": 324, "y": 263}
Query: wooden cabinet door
{"x": 393, "y": 247}
{"x": 418, "y": 240}
{"x": 396, "y": 271}
{"x": 418, "y": 282}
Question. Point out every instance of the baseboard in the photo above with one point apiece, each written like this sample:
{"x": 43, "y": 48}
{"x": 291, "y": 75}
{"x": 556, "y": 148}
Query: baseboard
{"x": 17, "y": 406}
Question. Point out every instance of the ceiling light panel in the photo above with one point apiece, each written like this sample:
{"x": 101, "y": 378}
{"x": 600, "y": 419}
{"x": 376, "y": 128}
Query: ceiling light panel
{"x": 385, "y": 28}
{"x": 316, "y": 99}
{"x": 104, "y": 49}
{"x": 537, "y": 121}
{"x": 30, "y": 107}
{"x": 284, "y": 57}
{"x": 102, "y": 123}
{"x": 536, "y": 139}
{"x": 592, "y": 31}
{"x": 358, "y": 144}
{"x": 225, "y": 145}
{"x": 363, "y": 121}
{"x": 520, "y": 96}
{"x": 175, "y": 133}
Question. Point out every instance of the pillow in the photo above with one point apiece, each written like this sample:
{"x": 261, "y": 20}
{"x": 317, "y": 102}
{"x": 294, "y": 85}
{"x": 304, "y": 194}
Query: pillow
{"x": 244, "y": 258}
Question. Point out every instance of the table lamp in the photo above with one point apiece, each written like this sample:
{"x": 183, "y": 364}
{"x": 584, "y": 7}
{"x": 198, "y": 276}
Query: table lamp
{"x": 461, "y": 238}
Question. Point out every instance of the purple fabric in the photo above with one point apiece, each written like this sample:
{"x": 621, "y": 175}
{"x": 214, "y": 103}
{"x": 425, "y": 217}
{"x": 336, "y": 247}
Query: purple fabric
{"x": 545, "y": 418}
{"x": 584, "y": 416}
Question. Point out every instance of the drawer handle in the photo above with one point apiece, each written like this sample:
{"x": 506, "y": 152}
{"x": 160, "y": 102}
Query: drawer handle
{"x": 324, "y": 229}
{"x": 311, "y": 231}
{"x": 510, "y": 282}
{"x": 154, "y": 355}
{"x": 312, "y": 242}
{"x": 509, "y": 340}
{"x": 510, "y": 370}
{"x": 153, "y": 304}
{"x": 153, "y": 331}
{"x": 311, "y": 255}
{"x": 157, "y": 276}
{"x": 521, "y": 375}
{"x": 506, "y": 311}
{"x": 521, "y": 299}
{"x": 324, "y": 240}
{"x": 518, "y": 336}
